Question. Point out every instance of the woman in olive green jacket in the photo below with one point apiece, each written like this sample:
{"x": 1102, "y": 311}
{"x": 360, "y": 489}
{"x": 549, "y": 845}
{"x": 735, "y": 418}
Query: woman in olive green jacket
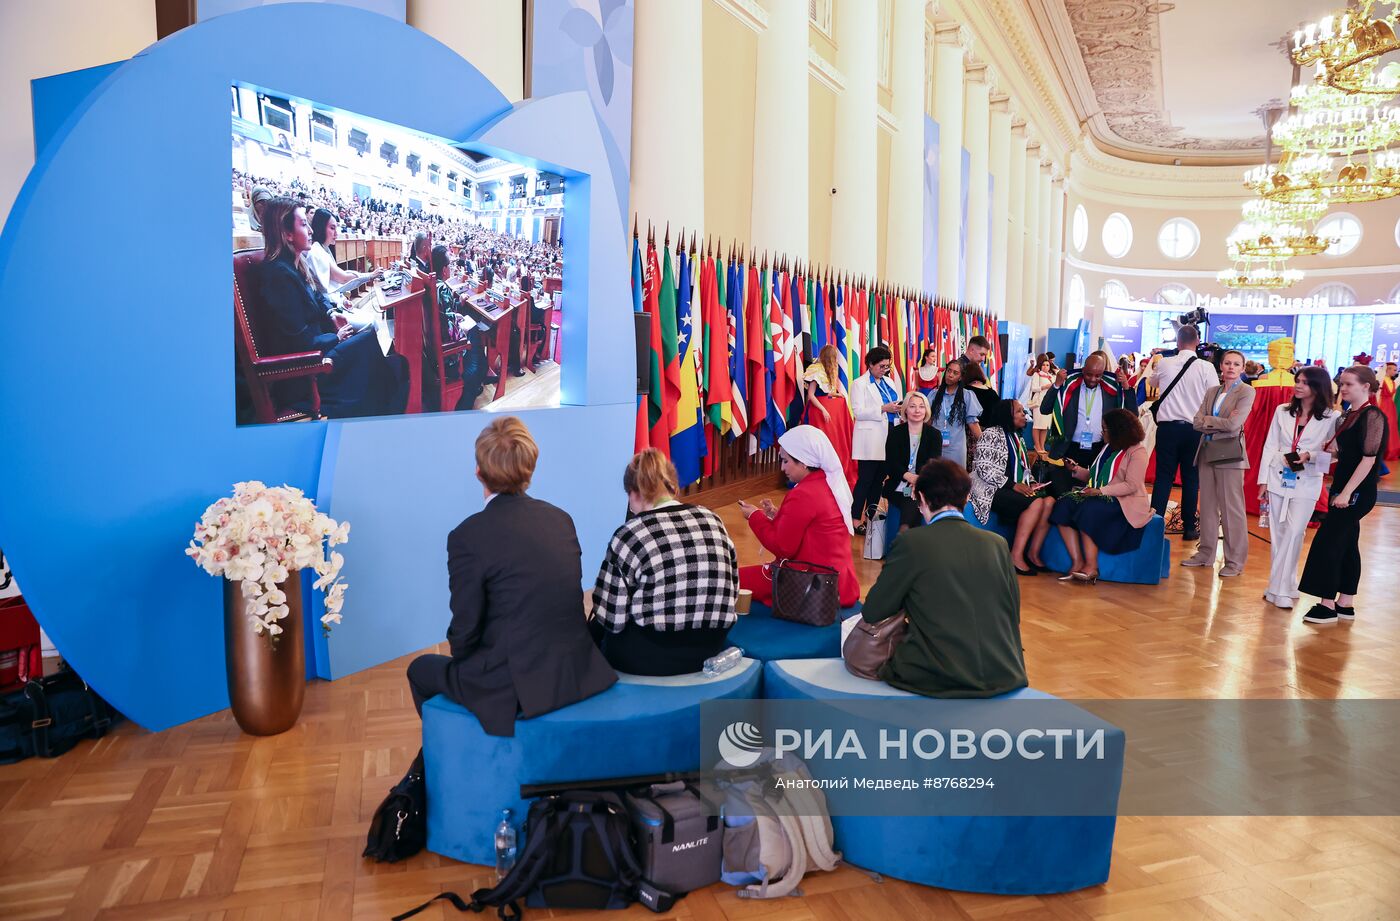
{"x": 956, "y": 584}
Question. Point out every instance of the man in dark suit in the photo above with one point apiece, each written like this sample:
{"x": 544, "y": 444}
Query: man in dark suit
{"x": 519, "y": 639}
{"x": 1076, "y": 404}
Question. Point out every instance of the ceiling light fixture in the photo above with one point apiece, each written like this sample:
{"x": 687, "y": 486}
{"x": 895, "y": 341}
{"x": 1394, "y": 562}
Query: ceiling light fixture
{"x": 1347, "y": 46}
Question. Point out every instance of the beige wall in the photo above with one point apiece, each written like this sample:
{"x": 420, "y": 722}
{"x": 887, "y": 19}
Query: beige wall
{"x": 820, "y": 149}
{"x": 489, "y": 33}
{"x": 1372, "y": 269}
{"x": 883, "y": 143}
{"x": 731, "y": 61}
{"x": 40, "y": 38}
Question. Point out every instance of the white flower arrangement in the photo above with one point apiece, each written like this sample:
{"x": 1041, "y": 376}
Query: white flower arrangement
{"x": 261, "y": 535}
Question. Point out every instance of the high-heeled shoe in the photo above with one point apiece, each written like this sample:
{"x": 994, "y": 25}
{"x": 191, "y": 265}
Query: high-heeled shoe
{"x": 1087, "y": 578}
{"x": 1067, "y": 577}
{"x": 1025, "y": 572}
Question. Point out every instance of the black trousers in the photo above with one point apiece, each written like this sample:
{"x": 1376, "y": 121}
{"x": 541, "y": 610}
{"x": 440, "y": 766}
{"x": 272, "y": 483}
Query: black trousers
{"x": 1061, "y": 481}
{"x": 427, "y": 677}
{"x": 870, "y": 477}
{"x": 1176, "y": 449}
{"x": 639, "y": 650}
{"x": 1334, "y": 562}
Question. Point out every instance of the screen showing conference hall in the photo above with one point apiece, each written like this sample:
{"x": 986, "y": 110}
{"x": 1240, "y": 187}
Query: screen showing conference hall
{"x": 379, "y": 271}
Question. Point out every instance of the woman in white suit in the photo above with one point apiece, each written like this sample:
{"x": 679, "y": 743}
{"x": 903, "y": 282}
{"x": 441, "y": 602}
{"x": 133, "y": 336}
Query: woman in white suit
{"x": 1301, "y": 427}
{"x": 875, "y": 401}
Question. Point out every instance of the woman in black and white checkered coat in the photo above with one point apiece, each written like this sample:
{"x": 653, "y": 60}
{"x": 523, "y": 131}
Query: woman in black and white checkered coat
{"x": 666, "y": 593}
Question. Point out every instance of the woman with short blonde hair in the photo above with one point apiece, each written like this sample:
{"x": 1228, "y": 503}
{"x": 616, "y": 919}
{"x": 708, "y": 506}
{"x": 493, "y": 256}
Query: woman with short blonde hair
{"x": 506, "y": 456}
{"x": 666, "y": 593}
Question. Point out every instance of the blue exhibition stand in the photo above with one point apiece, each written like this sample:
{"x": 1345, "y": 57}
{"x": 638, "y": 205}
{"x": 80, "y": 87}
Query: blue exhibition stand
{"x": 119, "y": 440}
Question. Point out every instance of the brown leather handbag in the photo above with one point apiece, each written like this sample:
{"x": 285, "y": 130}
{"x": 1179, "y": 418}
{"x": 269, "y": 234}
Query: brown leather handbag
{"x": 869, "y": 646}
{"x": 805, "y": 593}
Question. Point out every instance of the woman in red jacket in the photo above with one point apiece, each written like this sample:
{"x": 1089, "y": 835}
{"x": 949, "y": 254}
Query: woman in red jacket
{"x": 814, "y": 523}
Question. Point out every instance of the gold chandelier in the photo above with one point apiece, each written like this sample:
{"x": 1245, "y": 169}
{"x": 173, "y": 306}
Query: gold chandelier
{"x": 1267, "y": 274}
{"x": 1275, "y": 241}
{"x": 1331, "y": 122}
{"x": 1263, "y": 211}
{"x": 1319, "y": 178}
{"x": 1347, "y": 46}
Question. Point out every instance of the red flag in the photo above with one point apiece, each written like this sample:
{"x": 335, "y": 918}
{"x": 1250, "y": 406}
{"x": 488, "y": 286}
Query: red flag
{"x": 753, "y": 344}
{"x": 658, "y": 410}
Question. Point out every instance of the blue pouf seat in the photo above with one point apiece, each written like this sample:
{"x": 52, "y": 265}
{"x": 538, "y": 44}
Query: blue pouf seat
{"x": 1147, "y": 565}
{"x": 638, "y": 726}
{"x": 1008, "y": 855}
{"x": 764, "y": 637}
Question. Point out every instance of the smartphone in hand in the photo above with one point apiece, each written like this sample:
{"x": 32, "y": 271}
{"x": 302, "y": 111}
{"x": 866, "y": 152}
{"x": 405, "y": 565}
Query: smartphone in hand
{"x": 1293, "y": 461}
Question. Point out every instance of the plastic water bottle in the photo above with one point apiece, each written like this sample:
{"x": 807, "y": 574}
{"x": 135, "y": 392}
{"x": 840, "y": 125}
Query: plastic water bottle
{"x": 719, "y": 664}
{"x": 1264, "y": 512}
{"x": 505, "y": 846}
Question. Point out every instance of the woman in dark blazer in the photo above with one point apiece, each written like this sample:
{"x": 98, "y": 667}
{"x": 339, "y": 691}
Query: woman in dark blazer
{"x": 363, "y": 381}
{"x": 955, "y": 583}
{"x": 519, "y": 640}
{"x": 907, "y": 448}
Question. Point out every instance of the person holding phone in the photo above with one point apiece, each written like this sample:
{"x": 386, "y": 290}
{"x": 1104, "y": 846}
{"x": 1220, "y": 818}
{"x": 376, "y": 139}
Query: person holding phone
{"x": 1291, "y": 469}
{"x": 907, "y": 449}
{"x": 876, "y": 402}
{"x": 1002, "y": 482}
{"x": 1333, "y": 570}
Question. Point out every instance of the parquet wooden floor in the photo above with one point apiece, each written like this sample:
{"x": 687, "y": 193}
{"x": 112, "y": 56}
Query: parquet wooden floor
{"x": 202, "y": 822}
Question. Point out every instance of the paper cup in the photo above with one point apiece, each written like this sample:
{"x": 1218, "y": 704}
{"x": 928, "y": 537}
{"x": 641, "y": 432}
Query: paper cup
{"x": 745, "y": 598}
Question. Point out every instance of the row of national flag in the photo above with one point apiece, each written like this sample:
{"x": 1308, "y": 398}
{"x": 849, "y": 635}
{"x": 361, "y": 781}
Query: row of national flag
{"x": 730, "y": 337}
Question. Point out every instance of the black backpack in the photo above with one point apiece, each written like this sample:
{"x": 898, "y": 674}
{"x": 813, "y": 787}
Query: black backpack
{"x": 578, "y": 853}
{"x": 50, "y": 716}
{"x": 399, "y": 828}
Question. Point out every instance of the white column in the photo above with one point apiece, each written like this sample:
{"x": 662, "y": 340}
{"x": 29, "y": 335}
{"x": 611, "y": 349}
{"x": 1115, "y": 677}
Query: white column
{"x": 1046, "y": 311}
{"x": 999, "y": 164}
{"x": 1030, "y": 227}
{"x": 1057, "y": 247}
{"x": 780, "y": 128}
{"x": 1016, "y": 232}
{"x": 949, "y": 47}
{"x": 668, "y": 166}
{"x": 904, "y": 259}
{"x": 853, "y": 211}
{"x": 977, "y": 140}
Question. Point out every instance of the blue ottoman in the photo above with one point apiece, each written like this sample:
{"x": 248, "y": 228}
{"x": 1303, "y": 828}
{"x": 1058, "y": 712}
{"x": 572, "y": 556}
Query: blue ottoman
{"x": 638, "y": 726}
{"x": 1008, "y": 855}
{"x": 763, "y": 636}
{"x": 1147, "y": 565}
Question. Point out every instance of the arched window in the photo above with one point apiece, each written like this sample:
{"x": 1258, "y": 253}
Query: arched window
{"x": 1178, "y": 238}
{"x": 1117, "y": 235}
{"x": 1075, "y": 301}
{"x": 1115, "y": 293}
{"x": 1346, "y": 228}
{"x": 1177, "y": 295}
{"x": 1079, "y": 229}
{"x": 1337, "y": 294}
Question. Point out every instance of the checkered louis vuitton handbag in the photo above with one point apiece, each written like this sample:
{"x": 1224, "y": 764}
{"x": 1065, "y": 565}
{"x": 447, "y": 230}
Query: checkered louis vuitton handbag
{"x": 805, "y": 593}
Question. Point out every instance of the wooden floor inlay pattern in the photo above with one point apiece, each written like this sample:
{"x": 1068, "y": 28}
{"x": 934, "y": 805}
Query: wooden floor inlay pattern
{"x": 203, "y": 822}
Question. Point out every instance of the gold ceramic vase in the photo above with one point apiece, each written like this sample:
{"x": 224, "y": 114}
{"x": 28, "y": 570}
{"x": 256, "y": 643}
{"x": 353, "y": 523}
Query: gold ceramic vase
{"x": 266, "y": 680}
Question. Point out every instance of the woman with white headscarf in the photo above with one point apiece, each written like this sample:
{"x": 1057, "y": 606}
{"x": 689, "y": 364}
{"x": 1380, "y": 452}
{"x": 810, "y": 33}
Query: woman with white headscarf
{"x": 814, "y": 522}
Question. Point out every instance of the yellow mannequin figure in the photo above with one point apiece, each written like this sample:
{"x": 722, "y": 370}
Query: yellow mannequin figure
{"x": 1280, "y": 361}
